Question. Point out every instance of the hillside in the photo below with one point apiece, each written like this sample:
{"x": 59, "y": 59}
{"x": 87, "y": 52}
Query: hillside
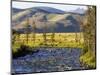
{"x": 54, "y": 19}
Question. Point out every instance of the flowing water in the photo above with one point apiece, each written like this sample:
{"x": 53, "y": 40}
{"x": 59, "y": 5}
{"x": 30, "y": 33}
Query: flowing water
{"x": 48, "y": 60}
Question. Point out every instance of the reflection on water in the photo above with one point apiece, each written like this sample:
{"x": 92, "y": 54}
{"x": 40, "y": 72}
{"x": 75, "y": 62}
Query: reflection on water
{"x": 47, "y": 60}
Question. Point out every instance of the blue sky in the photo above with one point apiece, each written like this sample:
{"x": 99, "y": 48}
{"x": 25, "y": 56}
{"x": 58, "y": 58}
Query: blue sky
{"x": 24, "y": 5}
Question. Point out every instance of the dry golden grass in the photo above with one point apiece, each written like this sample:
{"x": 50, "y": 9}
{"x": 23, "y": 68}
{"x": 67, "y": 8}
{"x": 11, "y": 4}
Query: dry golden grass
{"x": 60, "y": 40}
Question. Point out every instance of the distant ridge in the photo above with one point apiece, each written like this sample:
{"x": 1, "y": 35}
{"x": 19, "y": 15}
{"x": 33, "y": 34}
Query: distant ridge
{"x": 46, "y": 14}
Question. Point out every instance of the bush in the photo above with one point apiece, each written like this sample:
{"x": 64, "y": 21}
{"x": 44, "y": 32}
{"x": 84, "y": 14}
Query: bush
{"x": 22, "y": 51}
{"x": 88, "y": 60}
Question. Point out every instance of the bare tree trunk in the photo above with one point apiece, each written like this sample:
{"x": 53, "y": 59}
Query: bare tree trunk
{"x": 44, "y": 34}
{"x": 13, "y": 39}
{"x": 52, "y": 36}
{"x": 76, "y": 37}
{"x": 34, "y": 34}
{"x": 27, "y": 32}
{"x": 18, "y": 37}
{"x": 27, "y": 38}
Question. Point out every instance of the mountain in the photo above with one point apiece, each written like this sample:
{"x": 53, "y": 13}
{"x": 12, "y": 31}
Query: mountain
{"x": 78, "y": 11}
{"x": 39, "y": 9}
{"x": 32, "y": 11}
{"x": 55, "y": 19}
{"x": 16, "y": 10}
{"x": 48, "y": 10}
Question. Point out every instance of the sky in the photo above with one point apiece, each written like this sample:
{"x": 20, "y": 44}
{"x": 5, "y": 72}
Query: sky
{"x": 24, "y": 5}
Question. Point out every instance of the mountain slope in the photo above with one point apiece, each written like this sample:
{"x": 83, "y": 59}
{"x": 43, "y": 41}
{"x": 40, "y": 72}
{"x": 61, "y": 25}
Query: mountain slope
{"x": 56, "y": 20}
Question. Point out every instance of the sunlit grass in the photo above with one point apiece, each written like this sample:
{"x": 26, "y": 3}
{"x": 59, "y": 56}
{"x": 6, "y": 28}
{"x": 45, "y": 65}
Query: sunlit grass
{"x": 88, "y": 59}
{"x": 60, "y": 40}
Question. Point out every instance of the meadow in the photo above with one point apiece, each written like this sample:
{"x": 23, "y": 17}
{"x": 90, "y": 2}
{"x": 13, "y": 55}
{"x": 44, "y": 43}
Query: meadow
{"x": 69, "y": 40}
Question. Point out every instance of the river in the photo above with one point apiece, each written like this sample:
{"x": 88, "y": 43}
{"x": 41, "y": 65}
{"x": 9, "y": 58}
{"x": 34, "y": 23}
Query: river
{"x": 48, "y": 60}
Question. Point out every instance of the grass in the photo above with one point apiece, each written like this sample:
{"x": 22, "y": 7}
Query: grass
{"x": 89, "y": 60}
{"x": 60, "y": 40}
